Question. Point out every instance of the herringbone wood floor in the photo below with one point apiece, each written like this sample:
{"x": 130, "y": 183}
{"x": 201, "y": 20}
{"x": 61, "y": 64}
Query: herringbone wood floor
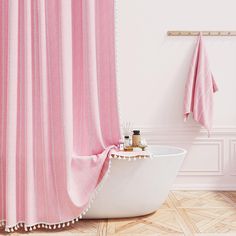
{"x": 198, "y": 213}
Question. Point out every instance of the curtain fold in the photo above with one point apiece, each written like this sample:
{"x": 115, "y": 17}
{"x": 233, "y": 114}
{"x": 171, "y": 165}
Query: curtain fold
{"x": 58, "y": 108}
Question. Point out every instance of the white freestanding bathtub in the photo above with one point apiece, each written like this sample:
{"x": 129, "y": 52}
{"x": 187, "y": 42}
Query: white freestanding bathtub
{"x": 136, "y": 188}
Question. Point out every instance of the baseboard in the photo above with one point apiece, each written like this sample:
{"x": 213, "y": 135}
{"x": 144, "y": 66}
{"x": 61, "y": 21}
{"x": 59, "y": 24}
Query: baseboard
{"x": 204, "y": 187}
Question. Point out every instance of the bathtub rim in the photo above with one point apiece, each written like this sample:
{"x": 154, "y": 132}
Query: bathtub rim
{"x": 182, "y": 153}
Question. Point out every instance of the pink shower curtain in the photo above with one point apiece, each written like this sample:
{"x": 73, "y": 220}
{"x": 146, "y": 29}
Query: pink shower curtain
{"x": 58, "y": 108}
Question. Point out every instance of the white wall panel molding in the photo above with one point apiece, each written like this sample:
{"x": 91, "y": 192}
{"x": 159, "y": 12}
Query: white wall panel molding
{"x": 232, "y": 156}
{"x": 210, "y": 162}
{"x": 205, "y": 156}
{"x": 186, "y": 130}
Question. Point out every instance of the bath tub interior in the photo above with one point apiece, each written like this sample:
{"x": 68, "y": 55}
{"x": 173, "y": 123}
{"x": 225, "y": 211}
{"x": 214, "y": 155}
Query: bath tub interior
{"x": 156, "y": 150}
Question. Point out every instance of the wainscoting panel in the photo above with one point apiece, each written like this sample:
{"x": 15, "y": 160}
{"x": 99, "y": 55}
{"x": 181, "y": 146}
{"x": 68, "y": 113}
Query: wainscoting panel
{"x": 232, "y": 157}
{"x": 199, "y": 162}
{"x": 210, "y": 162}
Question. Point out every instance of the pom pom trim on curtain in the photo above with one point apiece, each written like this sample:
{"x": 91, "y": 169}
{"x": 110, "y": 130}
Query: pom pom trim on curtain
{"x": 59, "y": 225}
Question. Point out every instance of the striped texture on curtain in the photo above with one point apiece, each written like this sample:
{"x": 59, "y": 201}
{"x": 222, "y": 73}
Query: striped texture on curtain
{"x": 58, "y": 108}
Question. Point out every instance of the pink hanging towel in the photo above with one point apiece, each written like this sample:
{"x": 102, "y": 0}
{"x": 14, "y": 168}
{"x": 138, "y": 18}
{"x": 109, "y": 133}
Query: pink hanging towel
{"x": 199, "y": 89}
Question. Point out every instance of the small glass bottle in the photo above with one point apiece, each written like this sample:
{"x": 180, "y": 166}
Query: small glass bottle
{"x": 136, "y": 138}
{"x": 126, "y": 142}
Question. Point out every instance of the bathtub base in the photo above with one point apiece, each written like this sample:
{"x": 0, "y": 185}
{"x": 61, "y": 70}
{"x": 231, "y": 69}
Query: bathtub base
{"x": 137, "y": 188}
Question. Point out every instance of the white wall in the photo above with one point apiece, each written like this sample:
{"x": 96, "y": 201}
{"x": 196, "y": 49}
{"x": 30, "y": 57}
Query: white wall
{"x": 152, "y": 69}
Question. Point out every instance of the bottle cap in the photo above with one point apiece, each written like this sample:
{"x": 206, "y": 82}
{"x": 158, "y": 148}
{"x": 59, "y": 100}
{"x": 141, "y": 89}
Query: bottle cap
{"x": 126, "y": 137}
{"x": 136, "y": 132}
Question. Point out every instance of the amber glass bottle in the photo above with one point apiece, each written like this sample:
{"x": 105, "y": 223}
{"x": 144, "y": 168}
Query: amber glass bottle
{"x": 136, "y": 138}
